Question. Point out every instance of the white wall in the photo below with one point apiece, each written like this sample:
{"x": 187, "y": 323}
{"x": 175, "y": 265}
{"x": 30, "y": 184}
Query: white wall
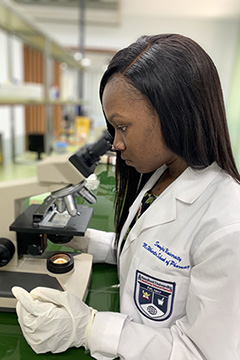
{"x": 11, "y": 124}
{"x": 217, "y": 36}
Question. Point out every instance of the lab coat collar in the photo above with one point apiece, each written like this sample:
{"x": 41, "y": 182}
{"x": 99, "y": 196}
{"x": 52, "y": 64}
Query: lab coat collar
{"x": 186, "y": 188}
{"x": 192, "y": 183}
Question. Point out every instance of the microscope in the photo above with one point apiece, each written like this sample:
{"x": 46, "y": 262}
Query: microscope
{"x": 24, "y": 258}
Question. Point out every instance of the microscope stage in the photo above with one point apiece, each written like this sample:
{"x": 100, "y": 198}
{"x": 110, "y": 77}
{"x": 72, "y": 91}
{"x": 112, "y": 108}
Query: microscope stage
{"x": 76, "y": 225}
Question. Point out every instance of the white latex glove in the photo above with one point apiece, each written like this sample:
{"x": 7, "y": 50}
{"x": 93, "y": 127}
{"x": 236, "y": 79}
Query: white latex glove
{"x": 53, "y": 320}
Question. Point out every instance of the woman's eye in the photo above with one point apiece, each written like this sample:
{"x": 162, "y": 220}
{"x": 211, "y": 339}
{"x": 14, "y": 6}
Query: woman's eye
{"x": 122, "y": 128}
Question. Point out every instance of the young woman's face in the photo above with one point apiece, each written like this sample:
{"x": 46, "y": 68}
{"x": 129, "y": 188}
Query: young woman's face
{"x": 138, "y": 133}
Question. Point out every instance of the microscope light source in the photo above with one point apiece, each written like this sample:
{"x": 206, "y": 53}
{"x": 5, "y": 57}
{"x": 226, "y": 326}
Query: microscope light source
{"x": 60, "y": 263}
{"x": 60, "y": 260}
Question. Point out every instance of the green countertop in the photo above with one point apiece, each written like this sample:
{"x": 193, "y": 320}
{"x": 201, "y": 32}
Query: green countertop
{"x": 103, "y": 291}
{"x": 103, "y": 296}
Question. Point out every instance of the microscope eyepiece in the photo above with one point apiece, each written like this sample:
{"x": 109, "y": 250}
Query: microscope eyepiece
{"x": 86, "y": 159}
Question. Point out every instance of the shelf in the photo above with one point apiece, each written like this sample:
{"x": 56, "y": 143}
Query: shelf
{"x": 15, "y": 21}
{"x": 29, "y": 102}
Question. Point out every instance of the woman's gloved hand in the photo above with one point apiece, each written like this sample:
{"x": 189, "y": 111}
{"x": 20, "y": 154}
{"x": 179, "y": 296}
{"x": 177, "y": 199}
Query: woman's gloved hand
{"x": 53, "y": 320}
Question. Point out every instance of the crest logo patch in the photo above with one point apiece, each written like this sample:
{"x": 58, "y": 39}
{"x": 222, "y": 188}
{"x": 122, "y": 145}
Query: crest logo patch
{"x": 153, "y": 297}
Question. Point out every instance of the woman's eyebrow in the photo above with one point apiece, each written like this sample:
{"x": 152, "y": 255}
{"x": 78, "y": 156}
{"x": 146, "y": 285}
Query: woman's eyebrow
{"x": 113, "y": 116}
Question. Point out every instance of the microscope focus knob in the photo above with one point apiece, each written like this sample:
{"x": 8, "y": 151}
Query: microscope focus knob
{"x": 7, "y": 250}
{"x": 34, "y": 250}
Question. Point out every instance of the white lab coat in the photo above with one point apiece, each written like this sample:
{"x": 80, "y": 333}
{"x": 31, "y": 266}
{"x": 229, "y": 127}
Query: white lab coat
{"x": 179, "y": 274}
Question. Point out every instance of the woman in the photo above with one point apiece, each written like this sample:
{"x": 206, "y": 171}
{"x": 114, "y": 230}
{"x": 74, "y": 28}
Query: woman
{"x": 177, "y": 240}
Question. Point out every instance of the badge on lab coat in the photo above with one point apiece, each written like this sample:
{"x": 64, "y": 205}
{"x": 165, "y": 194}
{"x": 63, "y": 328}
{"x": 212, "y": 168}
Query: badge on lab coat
{"x": 153, "y": 297}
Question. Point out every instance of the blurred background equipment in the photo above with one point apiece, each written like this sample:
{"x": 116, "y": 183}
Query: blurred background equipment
{"x": 68, "y": 44}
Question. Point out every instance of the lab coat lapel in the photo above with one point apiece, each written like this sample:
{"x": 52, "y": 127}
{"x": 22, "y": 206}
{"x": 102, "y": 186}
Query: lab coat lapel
{"x": 150, "y": 183}
{"x": 135, "y": 206}
{"x": 157, "y": 214}
{"x": 187, "y": 188}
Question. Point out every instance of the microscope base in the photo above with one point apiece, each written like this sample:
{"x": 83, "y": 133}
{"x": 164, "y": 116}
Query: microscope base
{"x": 32, "y": 273}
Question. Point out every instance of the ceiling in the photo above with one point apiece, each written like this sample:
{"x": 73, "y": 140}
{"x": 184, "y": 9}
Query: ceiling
{"x": 99, "y": 4}
{"x": 111, "y": 12}
{"x": 183, "y": 8}
{"x": 96, "y": 12}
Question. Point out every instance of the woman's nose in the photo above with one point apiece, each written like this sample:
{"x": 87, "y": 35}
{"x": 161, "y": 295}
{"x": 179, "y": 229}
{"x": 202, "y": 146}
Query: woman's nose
{"x": 118, "y": 144}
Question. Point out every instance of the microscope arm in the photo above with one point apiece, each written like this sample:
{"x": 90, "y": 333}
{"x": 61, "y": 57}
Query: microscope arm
{"x": 82, "y": 162}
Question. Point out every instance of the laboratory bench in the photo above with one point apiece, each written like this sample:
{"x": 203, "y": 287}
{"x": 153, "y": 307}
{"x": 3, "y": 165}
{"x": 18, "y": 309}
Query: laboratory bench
{"x": 103, "y": 294}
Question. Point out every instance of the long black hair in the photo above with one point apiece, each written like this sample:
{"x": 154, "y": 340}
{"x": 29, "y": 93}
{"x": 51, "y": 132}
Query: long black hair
{"x": 181, "y": 82}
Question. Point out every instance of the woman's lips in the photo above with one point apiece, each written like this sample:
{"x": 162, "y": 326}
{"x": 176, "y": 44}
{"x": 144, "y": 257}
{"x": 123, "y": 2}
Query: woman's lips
{"x": 127, "y": 161}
